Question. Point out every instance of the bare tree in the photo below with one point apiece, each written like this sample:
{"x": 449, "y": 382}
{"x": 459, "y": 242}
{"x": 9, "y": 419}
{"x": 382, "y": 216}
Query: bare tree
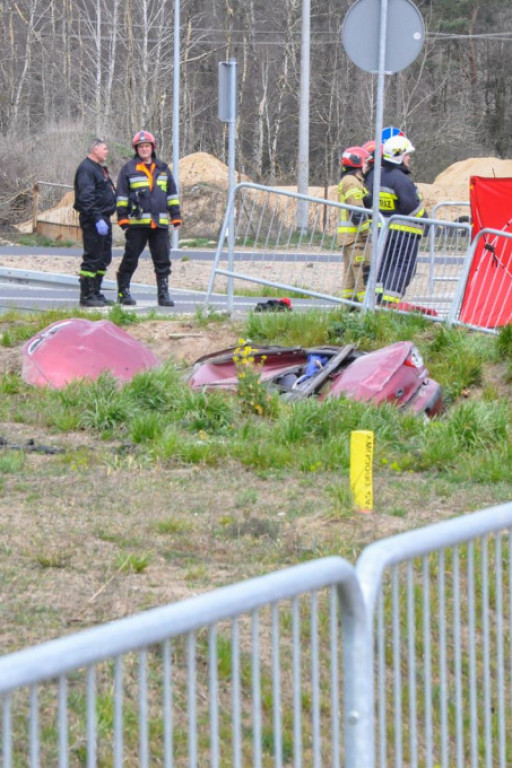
{"x": 28, "y": 17}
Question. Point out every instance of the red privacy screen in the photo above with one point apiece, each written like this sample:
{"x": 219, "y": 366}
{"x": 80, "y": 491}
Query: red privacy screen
{"x": 487, "y": 300}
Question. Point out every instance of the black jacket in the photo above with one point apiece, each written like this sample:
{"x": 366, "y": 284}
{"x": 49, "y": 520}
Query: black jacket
{"x": 147, "y": 195}
{"x": 95, "y": 195}
{"x": 395, "y": 181}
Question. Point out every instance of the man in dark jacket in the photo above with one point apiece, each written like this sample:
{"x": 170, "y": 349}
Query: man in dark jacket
{"x": 147, "y": 203}
{"x": 399, "y": 196}
{"x": 95, "y": 201}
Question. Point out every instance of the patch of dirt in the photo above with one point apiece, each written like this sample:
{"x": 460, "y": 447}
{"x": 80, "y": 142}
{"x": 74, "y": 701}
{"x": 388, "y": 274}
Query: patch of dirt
{"x": 184, "y": 341}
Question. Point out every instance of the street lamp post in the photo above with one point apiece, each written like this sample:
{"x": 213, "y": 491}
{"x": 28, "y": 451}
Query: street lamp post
{"x": 176, "y": 110}
{"x": 303, "y": 156}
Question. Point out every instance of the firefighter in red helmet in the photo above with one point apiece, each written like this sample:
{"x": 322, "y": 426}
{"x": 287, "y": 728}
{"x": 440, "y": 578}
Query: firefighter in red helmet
{"x": 147, "y": 204}
{"x": 354, "y": 227}
{"x": 370, "y": 148}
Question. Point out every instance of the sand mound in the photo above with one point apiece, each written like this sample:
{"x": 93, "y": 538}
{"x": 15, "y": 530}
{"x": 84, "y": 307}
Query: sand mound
{"x": 452, "y": 185}
{"x": 202, "y": 168}
{"x": 203, "y": 181}
{"x": 454, "y": 181}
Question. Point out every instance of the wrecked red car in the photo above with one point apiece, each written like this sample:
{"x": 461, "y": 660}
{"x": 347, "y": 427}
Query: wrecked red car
{"x": 393, "y": 374}
{"x": 77, "y": 348}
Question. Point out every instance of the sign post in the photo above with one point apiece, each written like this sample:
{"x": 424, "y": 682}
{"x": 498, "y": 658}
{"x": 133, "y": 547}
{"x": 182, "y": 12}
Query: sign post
{"x": 381, "y": 37}
{"x": 227, "y": 114}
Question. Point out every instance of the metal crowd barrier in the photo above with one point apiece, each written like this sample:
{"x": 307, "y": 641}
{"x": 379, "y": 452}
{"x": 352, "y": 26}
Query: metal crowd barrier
{"x": 404, "y": 660}
{"x": 441, "y": 602}
{"x": 269, "y": 248}
{"x": 419, "y": 271}
{"x": 483, "y": 300}
{"x": 231, "y": 677}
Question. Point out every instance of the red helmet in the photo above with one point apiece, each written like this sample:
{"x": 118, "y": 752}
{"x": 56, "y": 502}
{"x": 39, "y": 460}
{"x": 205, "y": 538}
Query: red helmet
{"x": 370, "y": 148}
{"x": 142, "y": 136}
{"x": 353, "y": 157}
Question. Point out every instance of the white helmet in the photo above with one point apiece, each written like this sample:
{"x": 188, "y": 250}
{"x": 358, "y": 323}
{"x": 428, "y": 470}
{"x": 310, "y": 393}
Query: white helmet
{"x": 396, "y": 148}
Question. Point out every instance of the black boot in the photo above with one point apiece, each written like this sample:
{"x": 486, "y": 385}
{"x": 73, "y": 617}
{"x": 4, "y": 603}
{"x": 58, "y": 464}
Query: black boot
{"x": 164, "y": 300}
{"x": 123, "y": 291}
{"x": 98, "y": 279}
{"x": 88, "y": 297}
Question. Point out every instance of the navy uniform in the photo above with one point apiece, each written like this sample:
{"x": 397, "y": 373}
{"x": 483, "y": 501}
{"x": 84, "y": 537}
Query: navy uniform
{"x": 398, "y": 196}
{"x": 95, "y": 201}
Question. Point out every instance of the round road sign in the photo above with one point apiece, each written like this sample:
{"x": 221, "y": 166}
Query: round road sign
{"x": 405, "y": 34}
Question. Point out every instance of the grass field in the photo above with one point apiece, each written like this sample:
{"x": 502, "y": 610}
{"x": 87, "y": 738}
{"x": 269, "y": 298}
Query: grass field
{"x": 157, "y": 492}
{"x": 116, "y": 500}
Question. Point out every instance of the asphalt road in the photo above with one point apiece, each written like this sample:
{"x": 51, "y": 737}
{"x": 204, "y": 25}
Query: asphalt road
{"x": 29, "y": 290}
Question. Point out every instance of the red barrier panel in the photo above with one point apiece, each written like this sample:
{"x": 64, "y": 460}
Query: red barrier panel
{"x": 487, "y": 300}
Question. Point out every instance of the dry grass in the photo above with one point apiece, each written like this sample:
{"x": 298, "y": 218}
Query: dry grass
{"x": 71, "y": 523}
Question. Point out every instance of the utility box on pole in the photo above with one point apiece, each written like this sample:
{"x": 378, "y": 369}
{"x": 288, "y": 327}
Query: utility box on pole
{"x": 227, "y": 91}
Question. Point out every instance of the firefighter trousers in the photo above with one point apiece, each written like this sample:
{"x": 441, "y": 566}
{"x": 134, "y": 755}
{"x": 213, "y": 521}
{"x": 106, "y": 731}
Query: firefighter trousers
{"x": 159, "y": 247}
{"x": 398, "y": 265}
{"x": 356, "y": 267}
{"x": 97, "y": 249}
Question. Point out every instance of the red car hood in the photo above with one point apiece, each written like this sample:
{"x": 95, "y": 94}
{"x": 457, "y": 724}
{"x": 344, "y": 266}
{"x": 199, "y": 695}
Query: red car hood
{"x": 77, "y": 349}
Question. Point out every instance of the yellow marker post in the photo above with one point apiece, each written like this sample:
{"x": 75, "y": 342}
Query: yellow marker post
{"x": 361, "y": 469}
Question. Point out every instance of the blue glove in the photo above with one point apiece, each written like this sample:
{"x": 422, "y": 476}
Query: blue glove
{"x": 102, "y": 227}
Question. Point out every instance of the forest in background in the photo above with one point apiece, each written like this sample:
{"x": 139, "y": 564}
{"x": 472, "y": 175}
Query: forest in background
{"x": 72, "y": 69}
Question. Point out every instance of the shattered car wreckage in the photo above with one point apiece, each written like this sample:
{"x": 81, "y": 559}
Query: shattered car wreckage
{"x": 394, "y": 374}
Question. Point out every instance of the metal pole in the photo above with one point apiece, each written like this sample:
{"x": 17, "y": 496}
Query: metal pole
{"x": 303, "y": 157}
{"x": 370, "y": 292}
{"x": 35, "y": 206}
{"x": 176, "y": 111}
{"x": 231, "y": 178}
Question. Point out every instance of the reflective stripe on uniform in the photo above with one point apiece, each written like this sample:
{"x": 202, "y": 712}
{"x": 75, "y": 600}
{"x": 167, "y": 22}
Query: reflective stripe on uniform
{"x": 355, "y": 192}
{"x": 418, "y": 230}
{"x": 347, "y": 229}
{"x": 346, "y": 226}
{"x": 139, "y": 182}
{"x": 389, "y": 296}
{"x": 404, "y": 228}
{"x": 387, "y": 203}
{"x": 144, "y": 221}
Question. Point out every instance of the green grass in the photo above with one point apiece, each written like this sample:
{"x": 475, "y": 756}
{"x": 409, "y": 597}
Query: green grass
{"x": 43, "y": 241}
{"x": 163, "y": 492}
{"x": 166, "y": 420}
